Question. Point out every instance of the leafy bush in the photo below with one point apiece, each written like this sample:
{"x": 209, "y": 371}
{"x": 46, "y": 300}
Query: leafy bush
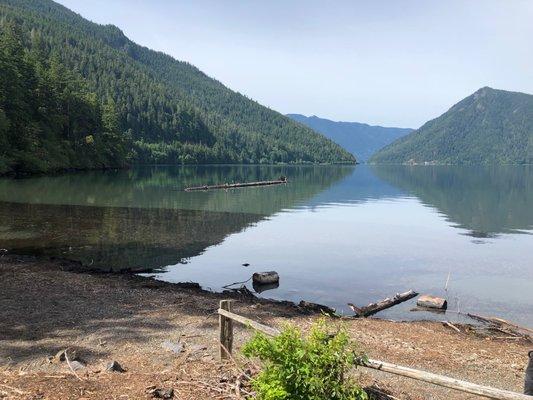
{"x": 305, "y": 368}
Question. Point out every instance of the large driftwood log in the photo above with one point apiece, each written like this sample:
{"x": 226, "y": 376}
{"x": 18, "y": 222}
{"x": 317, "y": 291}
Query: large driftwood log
{"x": 373, "y": 308}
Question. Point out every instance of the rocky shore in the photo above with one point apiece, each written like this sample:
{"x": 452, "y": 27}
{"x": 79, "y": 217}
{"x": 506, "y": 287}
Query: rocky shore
{"x": 132, "y": 337}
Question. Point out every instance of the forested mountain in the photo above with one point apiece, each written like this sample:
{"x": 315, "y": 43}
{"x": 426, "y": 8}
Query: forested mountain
{"x": 48, "y": 118}
{"x": 361, "y": 140}
{"x": 489, "y": 127}
{"x": 171, "y": 110}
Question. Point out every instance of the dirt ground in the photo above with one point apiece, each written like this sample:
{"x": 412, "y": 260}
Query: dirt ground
{"x": 46, "y": 307}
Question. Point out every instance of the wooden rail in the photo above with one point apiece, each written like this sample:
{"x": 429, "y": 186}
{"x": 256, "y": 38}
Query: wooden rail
{"x": 226, "y": 318}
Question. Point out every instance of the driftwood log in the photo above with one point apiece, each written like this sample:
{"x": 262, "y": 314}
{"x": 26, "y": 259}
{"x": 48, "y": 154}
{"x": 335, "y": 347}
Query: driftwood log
{"x": 237, "y": 185}
{"x": 428, "y": 301}
{"x": 373, "y": 308}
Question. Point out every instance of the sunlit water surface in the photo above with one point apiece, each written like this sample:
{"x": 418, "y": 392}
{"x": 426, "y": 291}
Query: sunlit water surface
{"x": 335, "y": 234}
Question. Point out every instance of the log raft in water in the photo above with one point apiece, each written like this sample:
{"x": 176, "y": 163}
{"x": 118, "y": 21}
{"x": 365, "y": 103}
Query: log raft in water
{"x": 238, "y": 185}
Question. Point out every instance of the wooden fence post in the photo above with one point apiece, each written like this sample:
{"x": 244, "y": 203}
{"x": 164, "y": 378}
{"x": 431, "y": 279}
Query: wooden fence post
{"x": 226, "y": 331}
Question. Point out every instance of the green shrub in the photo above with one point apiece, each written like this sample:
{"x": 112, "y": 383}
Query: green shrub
{"x": 305, "y": 368}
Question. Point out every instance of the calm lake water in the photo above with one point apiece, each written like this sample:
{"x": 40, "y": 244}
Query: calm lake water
{"x": 335, "y": 234}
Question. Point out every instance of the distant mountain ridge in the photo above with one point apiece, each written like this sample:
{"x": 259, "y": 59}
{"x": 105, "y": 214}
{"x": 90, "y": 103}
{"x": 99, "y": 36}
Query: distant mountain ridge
{"x": 488, "y": 127}
{"x": 173, "y": 112}
{"x": 362, "y": 140}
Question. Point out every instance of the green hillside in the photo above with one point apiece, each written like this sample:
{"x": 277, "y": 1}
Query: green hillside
{"x": 49, "y": 120}
{"x": 489, "y": 127}
{"x": 172, "y": 112}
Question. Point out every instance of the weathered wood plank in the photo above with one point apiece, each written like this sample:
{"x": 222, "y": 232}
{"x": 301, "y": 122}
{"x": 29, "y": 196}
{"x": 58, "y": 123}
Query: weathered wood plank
{"x": 445, "y": 381}
{"x": 248, "y": 322}
{"x": 226, "y": 330}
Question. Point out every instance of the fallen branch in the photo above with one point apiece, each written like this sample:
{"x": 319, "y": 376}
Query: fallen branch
{"x": 450, "y": 325}
{"x": 374, "y": 308}
{"x": 505, "y": 327}
{"x": 70, "y": 366}
{"x": 236, "y": 283}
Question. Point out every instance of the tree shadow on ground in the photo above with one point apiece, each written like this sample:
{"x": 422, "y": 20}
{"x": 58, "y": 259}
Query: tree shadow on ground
{"x": 45, "y": 309}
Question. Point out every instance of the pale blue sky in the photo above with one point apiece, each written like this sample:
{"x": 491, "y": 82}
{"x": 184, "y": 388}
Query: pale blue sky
{"x": 395, "y": 63}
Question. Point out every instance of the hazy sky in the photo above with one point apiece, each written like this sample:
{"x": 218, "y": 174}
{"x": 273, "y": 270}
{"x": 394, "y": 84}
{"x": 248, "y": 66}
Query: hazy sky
{"x": 395, "y": 63}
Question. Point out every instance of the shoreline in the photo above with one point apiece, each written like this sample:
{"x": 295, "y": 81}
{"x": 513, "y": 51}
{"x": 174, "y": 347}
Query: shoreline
{"x": 47, "y": 307}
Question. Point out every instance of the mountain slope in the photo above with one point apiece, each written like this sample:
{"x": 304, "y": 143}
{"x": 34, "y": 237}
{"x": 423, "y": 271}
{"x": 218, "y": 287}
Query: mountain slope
{"x": 173, "y": 111}
{"x": 361, "y": 140}
{"x": 489, "y": 127}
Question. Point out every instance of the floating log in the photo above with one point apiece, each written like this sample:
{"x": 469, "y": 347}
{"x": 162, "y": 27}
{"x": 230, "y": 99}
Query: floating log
{"x": 265, "y": 278}
{"x": 373, "y": 308}
{"x": 428, "y": 301}
{"x": 279, "y": 181}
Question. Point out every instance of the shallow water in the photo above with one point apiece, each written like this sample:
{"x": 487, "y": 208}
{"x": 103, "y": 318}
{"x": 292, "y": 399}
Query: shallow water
{"x": 335, "y": 234}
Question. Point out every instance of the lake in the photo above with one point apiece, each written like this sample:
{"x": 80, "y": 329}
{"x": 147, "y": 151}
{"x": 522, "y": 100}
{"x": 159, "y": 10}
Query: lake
{"x": 335, "y": 234}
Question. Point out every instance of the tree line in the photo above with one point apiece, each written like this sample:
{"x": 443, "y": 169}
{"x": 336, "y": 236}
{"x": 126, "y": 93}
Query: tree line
{"x": 171, "y": 111}
{"x": 49, "y": 120}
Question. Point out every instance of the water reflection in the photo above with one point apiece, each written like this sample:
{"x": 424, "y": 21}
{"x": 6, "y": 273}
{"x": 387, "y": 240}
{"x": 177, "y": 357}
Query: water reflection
{"x": 142, "y": 219}
{"x": 335, "y": 234}
{"x": 486, "y": 201}
{"x": 162, "y": 187}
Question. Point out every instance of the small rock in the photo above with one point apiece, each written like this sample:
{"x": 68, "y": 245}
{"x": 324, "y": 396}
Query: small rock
{"x": 172, "y": 346}
{"x": 76, "y": 365}
{"x": 197, "y": 347}
{"x": 114, "y": 366}
{"x": 163, "y": 393}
